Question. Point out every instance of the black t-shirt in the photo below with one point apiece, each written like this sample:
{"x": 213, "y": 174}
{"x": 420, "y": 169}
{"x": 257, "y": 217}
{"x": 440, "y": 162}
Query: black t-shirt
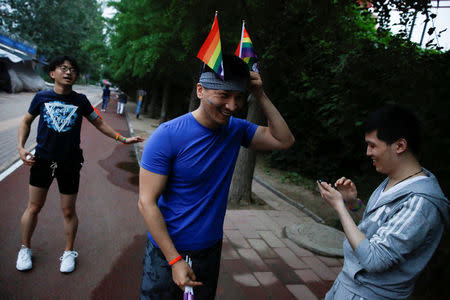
{"x": 122, "y": 98}
{"x": 58, "y": 137}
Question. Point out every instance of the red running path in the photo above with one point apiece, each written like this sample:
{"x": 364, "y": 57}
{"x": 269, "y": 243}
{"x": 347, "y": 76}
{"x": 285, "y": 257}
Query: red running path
{"x": 111, "y": 233}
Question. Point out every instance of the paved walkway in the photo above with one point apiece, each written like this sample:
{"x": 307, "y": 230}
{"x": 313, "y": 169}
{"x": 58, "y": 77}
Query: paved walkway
{"x": 13, "y": 108}
{"x": 258, "y": 261}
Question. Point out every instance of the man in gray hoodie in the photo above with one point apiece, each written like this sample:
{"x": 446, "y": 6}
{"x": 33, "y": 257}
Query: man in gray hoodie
{"x": 404, "y": 219}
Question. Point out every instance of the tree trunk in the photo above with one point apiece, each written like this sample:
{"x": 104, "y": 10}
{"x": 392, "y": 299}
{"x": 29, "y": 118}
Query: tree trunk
{"x": 194, "y": 102}
{"x": 155, "y": 103}
{"x": 165, "y": 102}
{"x": 241, "y": 184}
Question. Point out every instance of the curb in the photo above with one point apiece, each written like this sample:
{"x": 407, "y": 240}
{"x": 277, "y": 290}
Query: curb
{"x": 290, "y": 201}
{"x": 14, "y": 165}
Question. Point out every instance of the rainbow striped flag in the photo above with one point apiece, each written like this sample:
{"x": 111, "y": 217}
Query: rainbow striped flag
{"x": 211, "y": 51}
{"x": 245, "y": 50}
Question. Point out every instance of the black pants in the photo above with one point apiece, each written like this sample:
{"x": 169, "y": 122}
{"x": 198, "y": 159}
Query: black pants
{"x": 157, "y": 283}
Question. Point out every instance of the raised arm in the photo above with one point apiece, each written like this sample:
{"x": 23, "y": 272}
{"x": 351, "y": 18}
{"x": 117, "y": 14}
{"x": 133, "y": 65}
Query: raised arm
{"x": 151, "y": 185}
{"x": 104, "y": 128}
{"x": 24, "y": 132}
{"x": 277, "y": 134}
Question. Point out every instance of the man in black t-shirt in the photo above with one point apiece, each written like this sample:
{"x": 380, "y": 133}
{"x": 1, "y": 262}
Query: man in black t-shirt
{"x": 121, "y": 101}
{"x": 58, "y": 154}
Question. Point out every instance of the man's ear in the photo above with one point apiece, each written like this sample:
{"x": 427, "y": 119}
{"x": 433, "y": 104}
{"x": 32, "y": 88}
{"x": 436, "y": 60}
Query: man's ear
{"x": 401, "y": 145}
{"x": 200, "y": 91}
{"x": 52, "y": 74}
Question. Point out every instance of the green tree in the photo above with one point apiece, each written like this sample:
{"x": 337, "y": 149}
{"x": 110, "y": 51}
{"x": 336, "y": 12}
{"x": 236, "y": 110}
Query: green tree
{"x": 154, "y": 41}
{"x": 58, "y": 27}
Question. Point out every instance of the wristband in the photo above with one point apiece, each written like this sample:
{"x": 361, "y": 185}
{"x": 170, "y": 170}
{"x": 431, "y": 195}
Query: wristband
{"x": 117, "y": 136}
{"x": 353, "y": 209}
{"x": 124, "y": 140}
{"x": 173, "y": 261}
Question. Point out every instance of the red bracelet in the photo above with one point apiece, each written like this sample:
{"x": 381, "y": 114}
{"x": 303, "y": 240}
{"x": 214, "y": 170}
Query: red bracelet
{"x": 173, "y": 261}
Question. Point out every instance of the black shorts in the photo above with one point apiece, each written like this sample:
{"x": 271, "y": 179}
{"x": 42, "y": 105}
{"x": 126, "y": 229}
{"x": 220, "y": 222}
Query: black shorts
{"x": 67, "y": 175}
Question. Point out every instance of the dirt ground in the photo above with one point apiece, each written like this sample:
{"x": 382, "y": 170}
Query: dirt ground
{"x": 308, "y": 197}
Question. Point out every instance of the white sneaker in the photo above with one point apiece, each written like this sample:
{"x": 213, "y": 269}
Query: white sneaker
{"x": 24, "y": 262}
{"x": 68, "y": 261}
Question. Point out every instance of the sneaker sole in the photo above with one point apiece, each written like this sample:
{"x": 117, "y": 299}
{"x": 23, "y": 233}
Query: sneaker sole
{"x": 24, "y": 270}
{"x": 66, "y": 272}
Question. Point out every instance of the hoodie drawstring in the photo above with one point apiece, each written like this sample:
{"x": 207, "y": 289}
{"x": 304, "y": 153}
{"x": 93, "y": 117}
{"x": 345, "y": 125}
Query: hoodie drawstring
{"x": 53, "y": 166}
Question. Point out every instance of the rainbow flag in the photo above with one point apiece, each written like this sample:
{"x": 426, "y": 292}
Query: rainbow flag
{"x": 211, "y": 51}
{"x": 245, "y": 50}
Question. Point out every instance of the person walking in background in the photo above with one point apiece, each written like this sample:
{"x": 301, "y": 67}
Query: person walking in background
{"x": 140, "y": 93}
{"x": 58, "y": 154}
{"x": 121, "y": 102}
{"x": 404, "y": 218}
{"x": 105, "y": 97}
{"x": 185, "y": 176}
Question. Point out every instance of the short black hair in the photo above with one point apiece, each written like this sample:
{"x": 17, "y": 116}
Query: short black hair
{"x": 394, "y": 122}
{"x": 233, "y": 67}
{"x": 59, "y": 60}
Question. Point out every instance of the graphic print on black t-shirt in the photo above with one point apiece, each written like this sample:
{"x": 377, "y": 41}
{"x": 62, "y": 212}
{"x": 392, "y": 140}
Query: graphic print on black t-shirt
{"x": 59, "y": 116}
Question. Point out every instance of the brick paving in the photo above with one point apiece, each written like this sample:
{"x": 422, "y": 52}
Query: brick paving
{"x": 269, "y": 266}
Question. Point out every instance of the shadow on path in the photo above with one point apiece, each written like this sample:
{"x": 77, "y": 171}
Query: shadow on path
{"x": 124, "y": 174}
{"x": 117, "y": 286}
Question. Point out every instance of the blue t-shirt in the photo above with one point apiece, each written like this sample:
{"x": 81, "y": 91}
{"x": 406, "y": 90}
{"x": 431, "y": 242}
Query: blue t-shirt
{"x": 58, "y": 136}
{"x": 199, "y": 163}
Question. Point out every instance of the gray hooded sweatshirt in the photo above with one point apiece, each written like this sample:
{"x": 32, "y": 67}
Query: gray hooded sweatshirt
{"x": 403, "y": 229}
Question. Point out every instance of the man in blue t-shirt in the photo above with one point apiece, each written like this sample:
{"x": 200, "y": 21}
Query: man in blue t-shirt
{"x": 58, "y": 154}
{"x": 186, "y": 170}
